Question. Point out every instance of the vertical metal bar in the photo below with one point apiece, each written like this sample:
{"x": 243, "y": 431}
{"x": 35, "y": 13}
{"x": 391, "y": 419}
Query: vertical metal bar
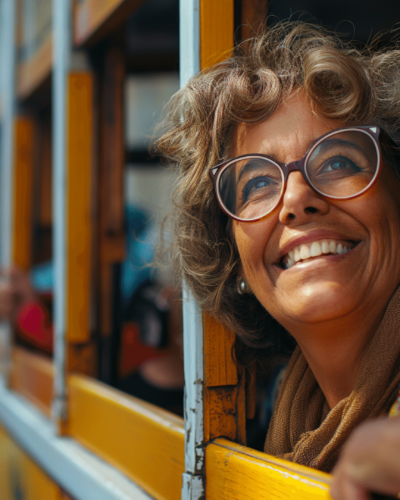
{"x": 193, "y": 477}
{"x": 61, "y": 28}
{"x": 7, "y": 153}
{"x": 189, "y": 39}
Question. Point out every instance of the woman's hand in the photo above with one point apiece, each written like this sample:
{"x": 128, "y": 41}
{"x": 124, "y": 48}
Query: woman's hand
{"x": 369, "y": 462}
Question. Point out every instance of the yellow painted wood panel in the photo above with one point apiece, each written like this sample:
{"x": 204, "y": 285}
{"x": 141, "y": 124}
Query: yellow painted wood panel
{"x": 32, "y": 376}
{"x": 22, "y": 193}
{"x": 235, "y": 472}
{"x": 34, "y": 71}
{"x": 216, "y": 31}
{"x": 143, "y": 441}
{"x": 80, "y": 116}
{"x": 20, "y": 476}
{"x": 220, "y": 367}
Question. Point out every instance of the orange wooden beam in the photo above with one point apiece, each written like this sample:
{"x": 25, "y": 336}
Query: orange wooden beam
{"x": 79, "y": 190}
{"x": 22, "y": 195}
{"x": 216, "y": 31}
{"x": 224, "y": 385}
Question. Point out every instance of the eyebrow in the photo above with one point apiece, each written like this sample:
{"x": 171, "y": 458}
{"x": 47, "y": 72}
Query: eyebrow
{"x": 325, "y": 144}
{"x": 250, "y": 165}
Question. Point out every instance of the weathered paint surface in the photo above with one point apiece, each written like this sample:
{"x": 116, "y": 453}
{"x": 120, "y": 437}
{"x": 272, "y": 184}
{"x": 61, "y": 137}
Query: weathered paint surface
{"x": 224, "y": 393}
{"x": 235, "y": 472}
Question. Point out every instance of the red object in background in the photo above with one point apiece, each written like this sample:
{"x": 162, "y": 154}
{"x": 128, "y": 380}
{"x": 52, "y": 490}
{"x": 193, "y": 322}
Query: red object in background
{"x": 133, "y": 352}
{"x": 34, "y": 326}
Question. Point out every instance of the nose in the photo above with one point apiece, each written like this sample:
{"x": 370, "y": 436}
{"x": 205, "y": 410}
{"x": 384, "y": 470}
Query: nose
{"x": 301, "y": 203}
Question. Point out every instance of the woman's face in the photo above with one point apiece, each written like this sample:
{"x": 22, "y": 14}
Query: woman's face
{"x": 331, "y": 285}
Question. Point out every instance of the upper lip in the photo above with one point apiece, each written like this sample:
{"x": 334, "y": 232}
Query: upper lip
{"x": 316, "y": 235}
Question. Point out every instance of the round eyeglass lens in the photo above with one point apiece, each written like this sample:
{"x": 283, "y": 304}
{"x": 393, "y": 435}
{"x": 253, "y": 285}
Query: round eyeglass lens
{"x": 343, "y": 164}
{"x": 251, "y": 187}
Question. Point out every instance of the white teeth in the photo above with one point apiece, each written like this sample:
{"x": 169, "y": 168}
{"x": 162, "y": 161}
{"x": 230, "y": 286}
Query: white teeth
{"x": 315, "y": 249}
{"x": 305, "y": 252}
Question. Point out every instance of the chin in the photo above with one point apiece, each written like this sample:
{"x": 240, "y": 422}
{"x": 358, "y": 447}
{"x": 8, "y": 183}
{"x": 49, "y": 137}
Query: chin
{"x": 316, "y": 304}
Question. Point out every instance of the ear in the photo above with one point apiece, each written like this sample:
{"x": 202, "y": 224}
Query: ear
{"x": 241, "y": 272}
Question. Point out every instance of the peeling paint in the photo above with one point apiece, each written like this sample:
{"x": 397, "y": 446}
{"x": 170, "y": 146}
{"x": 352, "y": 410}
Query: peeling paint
{"x": 193, "y": 478}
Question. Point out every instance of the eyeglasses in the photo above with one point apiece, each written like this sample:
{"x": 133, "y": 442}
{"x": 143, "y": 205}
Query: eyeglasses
{"x": 340, "y": 165}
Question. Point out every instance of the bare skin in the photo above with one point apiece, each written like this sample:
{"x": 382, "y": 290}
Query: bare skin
{"x": 370, "y": 461}
{"x": 331, "y": 304}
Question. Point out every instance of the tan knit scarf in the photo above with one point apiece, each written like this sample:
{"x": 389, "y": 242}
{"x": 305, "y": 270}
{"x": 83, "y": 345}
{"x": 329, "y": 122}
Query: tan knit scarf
{"x": 296, "y": 432}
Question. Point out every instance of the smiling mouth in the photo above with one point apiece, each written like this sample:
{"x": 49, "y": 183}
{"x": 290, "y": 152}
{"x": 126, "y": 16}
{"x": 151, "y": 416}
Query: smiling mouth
{"x": 308, "y": 251}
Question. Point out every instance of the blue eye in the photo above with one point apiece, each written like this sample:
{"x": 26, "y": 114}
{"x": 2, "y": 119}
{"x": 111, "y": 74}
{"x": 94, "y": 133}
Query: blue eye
{"x": 258, "y": 187}
{"x": 339, "y": 163}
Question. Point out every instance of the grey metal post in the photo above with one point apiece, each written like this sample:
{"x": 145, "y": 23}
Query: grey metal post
{"x": 62, "y": 30}
{"x": 7, "y": 153}
{"x": 193, "y": 477}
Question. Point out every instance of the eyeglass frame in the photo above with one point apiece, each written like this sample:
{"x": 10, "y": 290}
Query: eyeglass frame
{"x": 286, "y": 168}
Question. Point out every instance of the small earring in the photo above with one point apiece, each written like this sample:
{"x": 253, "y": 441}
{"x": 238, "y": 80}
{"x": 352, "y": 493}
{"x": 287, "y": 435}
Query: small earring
{"x": 242, "y": 286}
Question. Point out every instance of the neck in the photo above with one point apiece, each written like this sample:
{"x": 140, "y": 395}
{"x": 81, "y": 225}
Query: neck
{"x": 334, "y": 352}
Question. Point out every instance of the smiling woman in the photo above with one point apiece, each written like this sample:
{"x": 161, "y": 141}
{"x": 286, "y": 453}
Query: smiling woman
{"x": 298, "y": 133}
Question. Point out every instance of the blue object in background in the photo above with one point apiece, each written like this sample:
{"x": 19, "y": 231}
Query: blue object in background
{"x": 141, "y": 239}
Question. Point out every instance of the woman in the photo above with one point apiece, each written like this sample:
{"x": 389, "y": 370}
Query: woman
{"x": 288, "y": 224}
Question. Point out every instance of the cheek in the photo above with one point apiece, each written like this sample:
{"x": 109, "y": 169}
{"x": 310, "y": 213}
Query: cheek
{"x": 252, "y": 241}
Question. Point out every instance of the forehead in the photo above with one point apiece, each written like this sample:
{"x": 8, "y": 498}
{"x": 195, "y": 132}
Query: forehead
{"x": 287, "y": 134}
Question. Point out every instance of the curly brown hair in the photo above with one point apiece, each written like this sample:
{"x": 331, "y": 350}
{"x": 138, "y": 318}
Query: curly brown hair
{"x": 356, "y": 86}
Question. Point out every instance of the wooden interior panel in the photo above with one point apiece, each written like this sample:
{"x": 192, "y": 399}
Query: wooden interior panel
{"x": 254, "y": 15}
{"x": 110, "y": 229}
{"x": 22, "y": 193}
{"x": 42, "y": 188}
{"x": 224, "y": 385}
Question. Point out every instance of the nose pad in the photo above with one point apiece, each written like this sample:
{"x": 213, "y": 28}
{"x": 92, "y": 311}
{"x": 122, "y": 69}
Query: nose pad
{"x": 300, "y": 202}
